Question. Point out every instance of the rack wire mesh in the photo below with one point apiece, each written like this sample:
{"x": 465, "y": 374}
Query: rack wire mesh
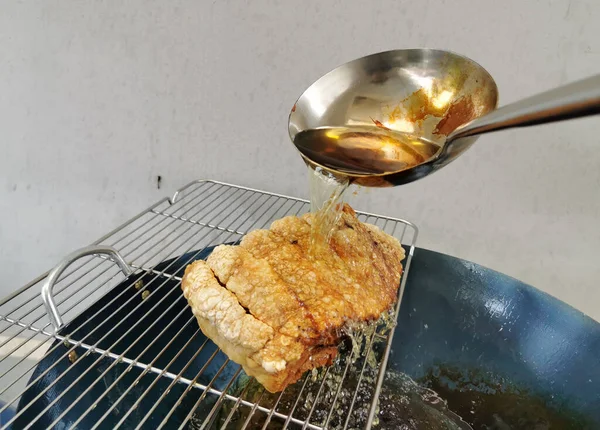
{"x": 127, "y": 351}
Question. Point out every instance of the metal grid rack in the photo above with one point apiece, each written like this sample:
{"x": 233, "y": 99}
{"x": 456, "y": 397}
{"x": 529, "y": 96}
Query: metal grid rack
{"x": 123, "y": 336}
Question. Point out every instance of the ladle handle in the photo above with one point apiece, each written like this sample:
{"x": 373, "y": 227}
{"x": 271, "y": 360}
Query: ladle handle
{"x": 577, "y": 99}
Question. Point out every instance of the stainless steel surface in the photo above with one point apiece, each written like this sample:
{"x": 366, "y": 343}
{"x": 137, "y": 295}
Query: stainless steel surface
{"x": 202, "y": 214}
{"x": 438, "y": 96}
{"x": 47, "y": 288}
{"x": 574, "y": 100}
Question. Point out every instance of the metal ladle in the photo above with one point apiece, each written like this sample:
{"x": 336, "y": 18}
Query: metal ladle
{"x": 438, "y": 97}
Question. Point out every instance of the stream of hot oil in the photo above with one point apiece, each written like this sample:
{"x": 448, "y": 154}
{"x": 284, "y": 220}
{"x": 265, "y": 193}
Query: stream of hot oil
{"x": 327, "y": 196}
{"x": 355, "y": 151}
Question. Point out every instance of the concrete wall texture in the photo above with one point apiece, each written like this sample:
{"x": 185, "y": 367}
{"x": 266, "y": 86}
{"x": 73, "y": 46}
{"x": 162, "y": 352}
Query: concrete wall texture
{"x": 97, "y": 99}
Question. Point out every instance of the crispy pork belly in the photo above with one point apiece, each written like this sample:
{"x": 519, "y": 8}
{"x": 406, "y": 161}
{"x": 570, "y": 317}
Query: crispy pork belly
{"x": 279, "y": 310}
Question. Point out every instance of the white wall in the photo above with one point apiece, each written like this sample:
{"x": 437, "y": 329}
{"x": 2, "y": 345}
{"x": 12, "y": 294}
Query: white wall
{"x": 98, "y": 98}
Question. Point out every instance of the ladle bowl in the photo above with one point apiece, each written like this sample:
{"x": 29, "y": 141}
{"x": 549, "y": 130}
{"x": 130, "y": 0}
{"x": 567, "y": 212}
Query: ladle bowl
{"x": 437, "y": 96}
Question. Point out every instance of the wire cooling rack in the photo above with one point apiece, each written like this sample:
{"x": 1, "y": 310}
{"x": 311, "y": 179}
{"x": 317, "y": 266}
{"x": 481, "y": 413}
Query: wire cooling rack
{"x": 106, "y": 339}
